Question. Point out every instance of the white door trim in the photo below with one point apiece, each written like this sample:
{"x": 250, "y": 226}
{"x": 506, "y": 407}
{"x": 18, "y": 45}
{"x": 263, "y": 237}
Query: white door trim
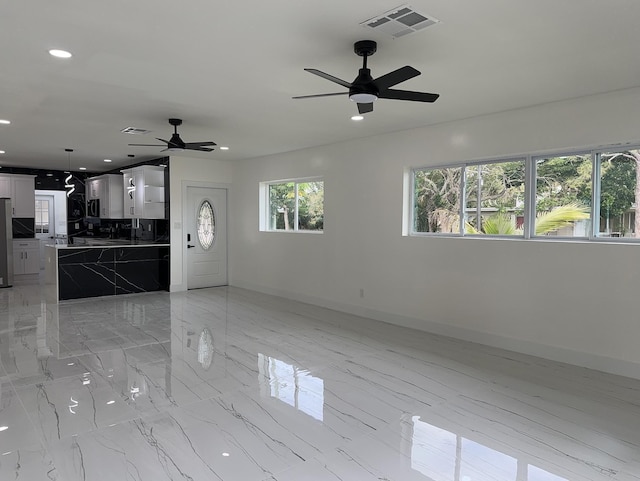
{"x": 182, "y": 232}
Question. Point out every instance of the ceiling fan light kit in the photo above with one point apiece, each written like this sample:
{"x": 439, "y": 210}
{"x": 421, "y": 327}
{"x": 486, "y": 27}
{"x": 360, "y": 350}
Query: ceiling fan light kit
{"x": 365, "y": 90}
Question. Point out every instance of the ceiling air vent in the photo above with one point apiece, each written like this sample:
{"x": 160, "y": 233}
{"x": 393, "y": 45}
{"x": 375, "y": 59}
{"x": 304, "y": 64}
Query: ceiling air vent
{"x": 400, "y": 21}
{"x": 134, "y": 131}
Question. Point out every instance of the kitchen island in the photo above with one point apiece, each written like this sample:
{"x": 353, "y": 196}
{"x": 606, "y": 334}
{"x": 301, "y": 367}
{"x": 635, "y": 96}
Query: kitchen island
{"x": 115, "y": 268}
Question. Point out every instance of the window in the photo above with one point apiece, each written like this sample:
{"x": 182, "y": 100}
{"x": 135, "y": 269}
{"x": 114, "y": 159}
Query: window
{"x": 563, "y": 196}
{"x": 494, "y": 198}
{"x": 617, "y": 205}
{"x": 294, "y": 206}
{"x": 436, "y": 200}
{"x": 575, "y": 195}
{"x": 206, "y": 225}
{"x": 42, "y": 217}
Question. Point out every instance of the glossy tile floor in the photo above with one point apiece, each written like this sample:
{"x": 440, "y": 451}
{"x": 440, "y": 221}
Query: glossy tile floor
{"x": 229, "y": 384}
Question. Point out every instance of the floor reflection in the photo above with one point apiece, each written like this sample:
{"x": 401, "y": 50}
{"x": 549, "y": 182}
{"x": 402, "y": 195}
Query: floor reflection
{"x": 291, "y": 385}
{"x": 231, "y": 384}
{"x": 446, "y": 456}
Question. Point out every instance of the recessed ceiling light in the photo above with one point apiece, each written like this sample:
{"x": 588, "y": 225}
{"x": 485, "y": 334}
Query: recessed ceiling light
{"x": 60, "y": 53}
{"x": 82, "y": 168}
{"x": 357, "y": 117}
{"x": 6, "y": 122}
{"x": 49, "y": 174}
{"x": 224, "y": 148}
{"x": 108, "y": 160}
{"x": 4, "y": 428}
{"x": 1, "y": 151}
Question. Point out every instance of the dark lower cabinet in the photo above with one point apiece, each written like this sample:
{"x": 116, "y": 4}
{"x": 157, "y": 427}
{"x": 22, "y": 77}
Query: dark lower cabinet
{"x": 141, "y": 269}
{"x": 111, "y": 271}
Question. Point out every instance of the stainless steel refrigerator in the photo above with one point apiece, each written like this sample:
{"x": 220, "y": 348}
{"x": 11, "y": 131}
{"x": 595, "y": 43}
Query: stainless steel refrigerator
{"x": 6, "y": 244}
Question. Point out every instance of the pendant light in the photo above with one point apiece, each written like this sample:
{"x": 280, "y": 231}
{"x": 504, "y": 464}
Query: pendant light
{"x": 67, "y": 182}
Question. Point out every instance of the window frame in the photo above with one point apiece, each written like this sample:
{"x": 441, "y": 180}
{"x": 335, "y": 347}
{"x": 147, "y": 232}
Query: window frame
{"x": 39, "y": 210}
{"x": 412, "y": 212}
{"x": 264, "y": 205}
{"x": 463, "y": 198}
{"x": 502, "y": 160}
{"x": 529, "y": 213}
{"x": 532, "y": 198}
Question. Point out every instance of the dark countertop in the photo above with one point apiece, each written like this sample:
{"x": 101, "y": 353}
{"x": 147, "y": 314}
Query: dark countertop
{"x": 109, "y": 243}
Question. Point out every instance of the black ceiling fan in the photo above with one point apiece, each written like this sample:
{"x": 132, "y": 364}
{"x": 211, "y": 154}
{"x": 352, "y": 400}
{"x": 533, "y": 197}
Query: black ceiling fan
{"x": 176, "y": 143}
{"x": 364, "y": 90}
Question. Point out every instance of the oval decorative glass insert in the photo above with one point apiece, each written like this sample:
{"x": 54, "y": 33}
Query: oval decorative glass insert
{"x": 206, "y": 225}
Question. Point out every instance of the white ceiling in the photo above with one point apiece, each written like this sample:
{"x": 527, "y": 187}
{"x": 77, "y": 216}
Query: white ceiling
{"x": 229, "y": 70}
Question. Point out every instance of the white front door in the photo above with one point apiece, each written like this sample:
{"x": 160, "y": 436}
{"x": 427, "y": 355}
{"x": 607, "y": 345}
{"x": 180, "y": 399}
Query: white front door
{"x": 206, "y": 237}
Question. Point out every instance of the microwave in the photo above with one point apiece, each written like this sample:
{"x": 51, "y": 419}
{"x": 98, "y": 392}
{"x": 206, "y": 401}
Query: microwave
{"x": 93, "y": 208}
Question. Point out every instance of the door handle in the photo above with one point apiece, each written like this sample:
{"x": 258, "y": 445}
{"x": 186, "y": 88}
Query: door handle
{"x": 189, "y": 246}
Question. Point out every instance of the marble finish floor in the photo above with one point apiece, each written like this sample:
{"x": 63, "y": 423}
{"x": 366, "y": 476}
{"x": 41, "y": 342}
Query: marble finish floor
{"x": 228, "y": 384}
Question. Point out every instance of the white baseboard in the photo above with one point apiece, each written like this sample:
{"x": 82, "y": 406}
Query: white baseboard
{"x": 554, "y": 353}
{"x": 177, "y": 287}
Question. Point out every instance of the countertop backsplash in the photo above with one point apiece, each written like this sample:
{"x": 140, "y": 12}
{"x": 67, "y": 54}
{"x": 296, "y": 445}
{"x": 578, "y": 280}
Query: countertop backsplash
{"x": 149, "y": 230}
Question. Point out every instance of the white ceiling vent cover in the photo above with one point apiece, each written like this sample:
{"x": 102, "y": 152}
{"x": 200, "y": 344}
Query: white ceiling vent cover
{"x": 400, "y": 21}
{"x": 134, "y": 131}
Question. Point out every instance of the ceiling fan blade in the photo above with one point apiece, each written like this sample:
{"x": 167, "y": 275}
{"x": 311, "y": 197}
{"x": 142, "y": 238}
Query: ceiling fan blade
{"x": 146, "y": 145}
{"x": 198, "y": 144}
{"x": 320, "y": 95}
{"x": 364, "y": 108}
{"x": 333, "y": 79}
{"x": 408, "y": 95}
{"x": 395, "y": 77}
{"x": 162, "y": 140}
{"x": 200, "y": 149}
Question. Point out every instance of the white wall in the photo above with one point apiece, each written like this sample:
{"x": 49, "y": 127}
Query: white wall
{"x": 185, "y": 171}
{"x": 573, "y": 302}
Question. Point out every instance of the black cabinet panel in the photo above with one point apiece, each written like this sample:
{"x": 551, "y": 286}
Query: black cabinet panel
{"x": 86, "y": 273}
{"x": 141, "y": 269}
{"x": 112, "y": 271}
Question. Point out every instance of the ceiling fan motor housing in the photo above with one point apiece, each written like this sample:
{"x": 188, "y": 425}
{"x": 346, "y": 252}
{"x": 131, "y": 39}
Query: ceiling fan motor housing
{"x": 363, "y": 89}
{"x": 176, "y": 141}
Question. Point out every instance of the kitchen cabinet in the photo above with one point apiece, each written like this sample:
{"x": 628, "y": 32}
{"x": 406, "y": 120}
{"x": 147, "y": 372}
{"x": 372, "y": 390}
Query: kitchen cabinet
{"x": 144, "y": 192}
{"x": 93, "y": 188}
{"x": 108, "y": 190}
{"x": 5, "y": 187}
{"x": 21, "y": 190}
{"x": 26, "y": 256}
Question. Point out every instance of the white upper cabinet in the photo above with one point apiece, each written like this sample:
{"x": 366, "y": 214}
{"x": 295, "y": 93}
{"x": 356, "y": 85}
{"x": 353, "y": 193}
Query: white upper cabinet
{"x": 21, "y": 190}
{"x": 108, "y": 189}
{"x": 144, "y": 192}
